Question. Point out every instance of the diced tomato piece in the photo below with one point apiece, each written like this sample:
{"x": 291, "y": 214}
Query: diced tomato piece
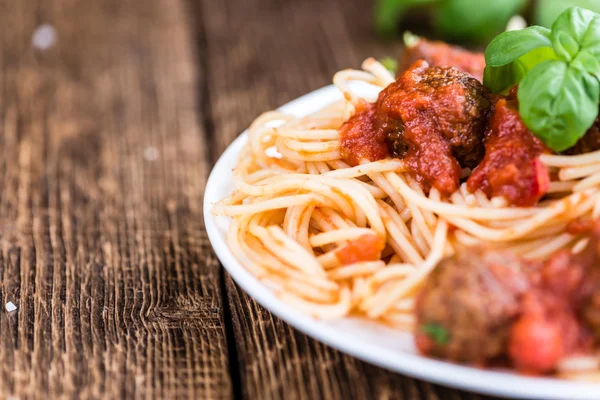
{"x": 365, "y": 248}
{"x": 535, "y": 344}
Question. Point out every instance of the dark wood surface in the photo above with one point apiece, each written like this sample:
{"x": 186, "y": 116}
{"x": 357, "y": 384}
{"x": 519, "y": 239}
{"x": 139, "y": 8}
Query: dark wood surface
{"x": 106, "y": 140}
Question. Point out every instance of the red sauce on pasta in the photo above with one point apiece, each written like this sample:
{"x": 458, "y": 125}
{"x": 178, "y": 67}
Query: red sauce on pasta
{"x": 361, "y": 136}
{"x": 511, "y": 165}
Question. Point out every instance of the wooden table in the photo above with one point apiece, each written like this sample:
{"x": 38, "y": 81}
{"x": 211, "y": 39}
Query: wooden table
{"x": 106, "y": 139}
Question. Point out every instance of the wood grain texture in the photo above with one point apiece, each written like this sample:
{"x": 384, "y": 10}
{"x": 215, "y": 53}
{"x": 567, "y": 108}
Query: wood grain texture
{"x": 105, "y": 143}
{"x": 261, "y": 54}
{"x": 102, "y": 168}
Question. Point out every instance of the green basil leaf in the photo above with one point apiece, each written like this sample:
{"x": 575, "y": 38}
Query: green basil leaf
{"x": 509, "y": 46}
{"x": 558, "y": 103}
{"x": 576, "y": 29}
{"x": 499, "y": 79}
{"x": 587, "y": 62}
{"x": 546, "y": 11}
{"x": 475, "y": 19}
{"x": 534, "y": 57}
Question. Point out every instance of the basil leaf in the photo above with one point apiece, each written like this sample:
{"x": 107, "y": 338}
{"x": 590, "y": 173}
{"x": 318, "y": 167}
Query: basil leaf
{"x": 575, "y": 30}
{"x": 558, "y": 103}
{"x": 587, "y": 62}
{"x": 499, "y": 79}
{"x": 509, "y": 46}
{"x": 475, "y": 19}
{"x": 512, "y": 54}
{"x": 546, "y": 11}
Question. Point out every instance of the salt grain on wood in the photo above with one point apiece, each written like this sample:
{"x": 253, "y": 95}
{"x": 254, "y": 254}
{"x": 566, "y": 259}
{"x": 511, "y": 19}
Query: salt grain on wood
{"x": 44, "y": 37}
{"x": 151, "y": 153}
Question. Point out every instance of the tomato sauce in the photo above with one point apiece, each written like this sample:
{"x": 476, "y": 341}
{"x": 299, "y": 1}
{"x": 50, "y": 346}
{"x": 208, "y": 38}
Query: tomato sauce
{"x": 511, "y": 165}
{"x": 362, "y": 138}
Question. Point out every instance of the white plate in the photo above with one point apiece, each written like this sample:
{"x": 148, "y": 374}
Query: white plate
{"x": 366, "y": 340}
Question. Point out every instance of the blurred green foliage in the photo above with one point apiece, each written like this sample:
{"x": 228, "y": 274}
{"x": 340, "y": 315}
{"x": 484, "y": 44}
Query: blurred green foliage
{"x": 475, "y": 21}
{"x": 546, "y": 11}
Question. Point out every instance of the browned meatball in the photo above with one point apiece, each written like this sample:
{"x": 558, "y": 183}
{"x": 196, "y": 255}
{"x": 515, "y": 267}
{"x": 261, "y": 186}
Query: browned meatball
{"x": 444, "y": 115}
{"x": 465, "y": 310}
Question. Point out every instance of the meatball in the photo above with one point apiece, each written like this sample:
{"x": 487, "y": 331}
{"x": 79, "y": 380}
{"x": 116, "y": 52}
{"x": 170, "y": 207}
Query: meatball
{"x": 440, "y": 54}
{"x": 472, "y": 298}
{"x": 444, "y": 115}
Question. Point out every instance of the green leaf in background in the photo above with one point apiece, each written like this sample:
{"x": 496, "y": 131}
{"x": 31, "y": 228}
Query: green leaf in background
{"x": 547, "y": 11}
{"x": 558, "y": 102}
{"x": 475, "y": 20}
{"x": 410, "y": 39}
{"x": 575, "y": 30}
{"x": 390, "y": 64}
{"x": 472, "y": 20}
{"x": 500, "y": 79}
{"x": 389, "y": 12}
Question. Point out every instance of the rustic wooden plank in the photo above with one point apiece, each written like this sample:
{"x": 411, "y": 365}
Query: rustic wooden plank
{"x": 102, "y": 243}
{"x": 261, "y": 54}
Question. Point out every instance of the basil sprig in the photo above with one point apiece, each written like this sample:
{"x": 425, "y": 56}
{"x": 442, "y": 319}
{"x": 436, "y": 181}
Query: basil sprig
{"x": 558, "y": 72}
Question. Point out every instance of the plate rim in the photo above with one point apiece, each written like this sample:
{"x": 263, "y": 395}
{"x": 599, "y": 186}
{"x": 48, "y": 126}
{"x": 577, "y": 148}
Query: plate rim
{"x": 495, "y": 383}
